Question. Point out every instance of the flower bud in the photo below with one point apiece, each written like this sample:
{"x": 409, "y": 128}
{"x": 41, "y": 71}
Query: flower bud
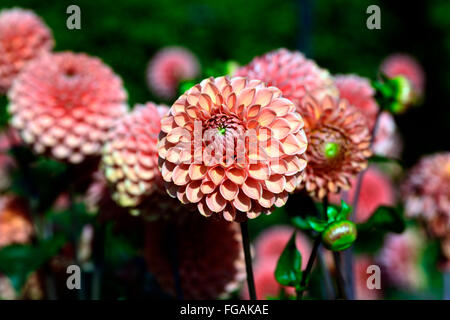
{"x": 339, "y": 235}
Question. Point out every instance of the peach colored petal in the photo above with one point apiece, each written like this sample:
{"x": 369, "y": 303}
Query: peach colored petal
{"x": 204, "y": 210}
{"x": 193, "y": 191}
{"x": 278, "y": 166}
{"x": 267, "y": 199}
{"x": 291, "y": 145}
{"x": 215, "y": 202}
{"x": 266, "y": 116}
{"x": 180, "y": 175}
{"x": 216, "y": 174}
{"x": 242, "y": 202}
{"x": 228, "y": 190}
{"x": 253, "y": 111}
{"x": 236, "y": 175}
{"x": 282, "y": 106}
{"x": 246, "y": 97}
{"x": 197, "y": 171}
{"x": 259, "y": 171}
{"x": 280, "y": 128}
{"x": 276, "y": 183}
{"x": 263, "y": 97}
{"x": 281, "y": 199}
{"x": 205, "y": 102}
{"x": 229, "y": 213}
{"x": 252, "y": 188}
{"x": 207, "y": 187}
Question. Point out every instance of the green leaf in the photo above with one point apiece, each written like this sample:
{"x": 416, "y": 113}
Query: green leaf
{"x": 18, "y": 261}
{"x": 386, "y": 219}
{"x": 317, "y": 224}
{"x": 382, "y": 159}
{"x": 332, "y": 213}
{"x": 289, "y": 267}
{"x": 301, "y": 223}
{"x": 345, "y": 211}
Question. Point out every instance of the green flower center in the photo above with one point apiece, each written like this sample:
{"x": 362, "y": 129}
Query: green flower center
{"x": 222, "y": 130}
{"x": 331, "y": 150}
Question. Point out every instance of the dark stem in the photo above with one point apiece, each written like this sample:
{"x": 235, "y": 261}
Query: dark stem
{"x": 99, "y": 257}
{"x": 309, "y": 265}
{"x": 248, "y": 260}
{"x": 173, "y": 251}
{"x": 348, "y": 254}
{"x": 339, "y": 279}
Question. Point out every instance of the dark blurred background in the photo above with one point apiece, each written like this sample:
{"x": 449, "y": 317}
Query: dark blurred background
{"x": 127, "y": 33}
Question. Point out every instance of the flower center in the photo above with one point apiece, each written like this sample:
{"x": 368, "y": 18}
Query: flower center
{"x": 331, "y": 150}
{"x": 327, "y": 148}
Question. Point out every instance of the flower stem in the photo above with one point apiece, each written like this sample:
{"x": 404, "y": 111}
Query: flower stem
{"x": 348, "y": 254}
{"x": 248, "y": 260}
{"x": 309, "y": 265}
{"x": 340, "y": 283}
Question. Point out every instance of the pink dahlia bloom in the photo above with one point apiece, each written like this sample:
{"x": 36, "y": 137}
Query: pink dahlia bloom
{"x": 64, "y": 104}
{"x": 360, "y": 94}
{"x": 271, "y": 243}
{"x": 388, "y": 141}
{"x": 407, "y": 66}
{"x": 376, "y": 190}
{"x": 168, "y": 68}
{"x": 362, "y": 291}
{"x": 130, "y": 155}
{"x": 23, "y": 37}
{"x": 232, "y": 146}
{"x": 338, "y": 145}
{"x": 209, "y": 253}
{"x": 400, "y": 259}
{"x": 292, "y": 73}
{"x": 15, "y": 223}
{"x": 426, "y": 192}
{"x": 8, "y": 139}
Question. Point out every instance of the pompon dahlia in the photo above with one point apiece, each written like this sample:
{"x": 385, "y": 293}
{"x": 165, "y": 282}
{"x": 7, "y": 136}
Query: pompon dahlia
{"x": 15, "y": 222}
{"x": 426, "y": 192}
{"x": 209, "y": 255}
{"x": 130, "y": 155}
{"x": 249, "y": 156}
{"x": 292, "y": 73}
{"x": 64, "y": 104}
{"x": 400, "y": 259}
{"x": 407, "y": 66}
{"x": 360, "y": 94}
{"x": 168, "y": 68}
{"x": 23, "y": 37}
{"x": 376, "y": 190}
{"x": 339, "y": 145}
{"x": 388, "y": 141}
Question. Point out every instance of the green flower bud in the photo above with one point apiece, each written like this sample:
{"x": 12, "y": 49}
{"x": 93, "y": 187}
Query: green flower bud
{"x": 339, "y": 235}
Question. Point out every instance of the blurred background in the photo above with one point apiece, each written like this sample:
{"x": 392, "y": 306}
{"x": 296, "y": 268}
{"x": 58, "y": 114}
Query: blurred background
{"x": 127, "y": 33}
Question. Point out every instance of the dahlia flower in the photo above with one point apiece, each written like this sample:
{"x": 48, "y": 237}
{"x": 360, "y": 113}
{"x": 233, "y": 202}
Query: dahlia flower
{"x": 426, "y": 192}
{"x": 407, "y": 66}
{"x": 209, "y": 256}
{"x": 360, "y": 94}
{"x": 292, "y": 73}
{"x": 8, "y": 139}
{"x": 32, "y": 290}
{"x": 376, "y": 190}
{"x": 400, "y": 259}
{"x": 168, "y": 68}
{"x": 23, "y": 37}
{"x": 63, "y": 104}
{"x": 130, "y": 158}
{"x": 15, "y": 223}
{"x": 251, "y": 154}
{"x": 388, "y": 141}
{"x": 339, "y": 145}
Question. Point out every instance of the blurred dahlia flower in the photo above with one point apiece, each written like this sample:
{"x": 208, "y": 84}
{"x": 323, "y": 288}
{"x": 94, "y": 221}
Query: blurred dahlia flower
{"x": 8, "y": 139}
{"x": 292, "y": 73}
{"x": 388, "y": 141}
{"x": 376, "y": 190}
{"x": 15, "y": 223}
{"x": 360, "y": 94}
{"x": 426, "y": 192}
{"x": 23, "y": 37}
{"x": 130, "y": 155}
{"x": 272, "y": 241}
{"x": 168, "y": 68}
{"x": 249, "y": 156}
{"x": 407, "y": 66}
{"x": 64, "y": 104}
{"x": 400, "y": 259}
{"x": 209, "y": 256}
{"x": 269, "y": 245}
{"x": 339, "y": 145}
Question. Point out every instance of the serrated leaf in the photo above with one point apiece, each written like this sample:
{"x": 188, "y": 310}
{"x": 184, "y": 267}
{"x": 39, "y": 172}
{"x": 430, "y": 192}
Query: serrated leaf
{"x": 289, "y": 267}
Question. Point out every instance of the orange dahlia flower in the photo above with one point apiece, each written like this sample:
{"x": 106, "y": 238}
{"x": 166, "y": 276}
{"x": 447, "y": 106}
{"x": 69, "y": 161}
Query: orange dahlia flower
{"x": 292, "y": 73}
{"x": 15, "y": 222}
{"x": 209, "y": 256}
{"x": 64, "y": 104}
{"x": 339, "y": 144}
{"x": 130, "y": 156}
{"x": 23, "y": 37}
{"x": 232, "y": 146}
